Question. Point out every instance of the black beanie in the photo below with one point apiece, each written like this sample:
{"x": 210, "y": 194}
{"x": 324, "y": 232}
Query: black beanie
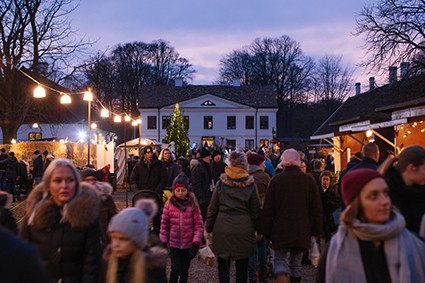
{"x": 205, "y": 152}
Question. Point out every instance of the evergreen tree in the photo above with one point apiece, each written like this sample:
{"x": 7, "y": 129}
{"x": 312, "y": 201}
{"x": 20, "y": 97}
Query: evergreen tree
{"x": 177, "y": 131}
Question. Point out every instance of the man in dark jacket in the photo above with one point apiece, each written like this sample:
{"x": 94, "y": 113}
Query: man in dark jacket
{"x": 20, "y": 262}
{"x": 3, "y": 156}
{"x": 202, "y": 181}
{"x": 217, "y": 165}
{"x": 12, "y": 172}
{"x": 38, "y": 168}
{"x": 150, "y": 174}
{"x": 292, "y": 213}
{"x": 370, "y": 157}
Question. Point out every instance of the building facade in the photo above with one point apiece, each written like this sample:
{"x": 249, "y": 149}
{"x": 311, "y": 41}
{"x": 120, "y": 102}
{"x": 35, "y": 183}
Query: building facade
{"x": 224, "y": 116}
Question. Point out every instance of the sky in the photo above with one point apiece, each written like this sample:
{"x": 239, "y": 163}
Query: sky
{"x": 204, "y": 31}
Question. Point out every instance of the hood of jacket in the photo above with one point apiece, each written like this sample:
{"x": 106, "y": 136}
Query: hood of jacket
{"x": 80, "y": 212}
{"x": 103, "y": 189}
{"x": 253, "y": 168}
{"x": 236, "y": 177}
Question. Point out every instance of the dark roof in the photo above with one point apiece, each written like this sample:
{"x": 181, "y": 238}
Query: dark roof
{"x": 254, "y": 96}
{"x": 370, "y": 105}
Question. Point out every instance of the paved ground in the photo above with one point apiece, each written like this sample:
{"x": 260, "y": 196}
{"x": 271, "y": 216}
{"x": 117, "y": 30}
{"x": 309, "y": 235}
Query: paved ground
{"x": 199, "y": 272}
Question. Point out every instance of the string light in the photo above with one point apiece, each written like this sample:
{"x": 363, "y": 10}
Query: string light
{"x": 39, "y": 92}
{"x": 65, "y": 99}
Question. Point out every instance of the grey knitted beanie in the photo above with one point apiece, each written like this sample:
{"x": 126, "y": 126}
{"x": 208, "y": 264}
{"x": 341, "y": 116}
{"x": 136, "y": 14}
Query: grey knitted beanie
{"x": 133, "y": 223}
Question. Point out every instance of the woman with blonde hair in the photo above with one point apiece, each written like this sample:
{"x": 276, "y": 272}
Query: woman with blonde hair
{"x": 405, "y": 176}
{"x": 62, "y": 220}
{"x": 172, "y": 167}
{"x": 372, "y": 243}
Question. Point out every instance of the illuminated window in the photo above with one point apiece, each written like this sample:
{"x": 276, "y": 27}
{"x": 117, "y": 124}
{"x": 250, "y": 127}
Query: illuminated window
{"x": 208, "y": 122}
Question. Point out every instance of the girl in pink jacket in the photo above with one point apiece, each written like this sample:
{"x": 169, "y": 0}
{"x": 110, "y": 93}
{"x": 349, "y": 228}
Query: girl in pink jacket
{"x": 181, "y": 228}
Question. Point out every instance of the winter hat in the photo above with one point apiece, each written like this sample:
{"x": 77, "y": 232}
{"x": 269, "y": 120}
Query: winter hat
{"x": 36, "y": 152}
{"x": 147, "y": 149}
{"x": 205, "y": 152}
{"x": 85, "y": 173}
{"x": 291, "y": 157}
{"x": 215, "y": 153}
{"x": 354, "y": 182}
{"x": 180, "y": 181}
{"x": 237, "y": 158}
{"x": 149, "y": 207}
{"x": 107, "y": 167}
{"x": 255, "y": 159}
{"x": 133, "y": 223}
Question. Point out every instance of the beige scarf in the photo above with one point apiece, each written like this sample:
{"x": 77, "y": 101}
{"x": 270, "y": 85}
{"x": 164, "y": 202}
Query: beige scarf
{"x": 405, "y": 253}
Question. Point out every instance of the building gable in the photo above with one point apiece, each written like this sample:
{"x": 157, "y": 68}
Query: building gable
{"x": 208, "y": 102}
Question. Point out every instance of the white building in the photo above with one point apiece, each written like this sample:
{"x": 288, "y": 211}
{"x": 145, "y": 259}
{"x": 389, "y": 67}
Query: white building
{"x": 232, "y": 116}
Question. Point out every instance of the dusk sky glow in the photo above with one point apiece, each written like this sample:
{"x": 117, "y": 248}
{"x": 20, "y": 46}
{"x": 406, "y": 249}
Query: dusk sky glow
{"x": 204, "y": 31}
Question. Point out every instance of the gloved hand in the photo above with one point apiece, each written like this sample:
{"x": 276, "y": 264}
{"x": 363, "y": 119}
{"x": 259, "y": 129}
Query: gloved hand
{"x": 194, "y": 250}
{"x": 208, "y": 237}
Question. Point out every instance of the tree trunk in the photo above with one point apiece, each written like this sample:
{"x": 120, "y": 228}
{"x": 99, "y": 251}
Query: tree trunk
{"x": 10, "y": 129}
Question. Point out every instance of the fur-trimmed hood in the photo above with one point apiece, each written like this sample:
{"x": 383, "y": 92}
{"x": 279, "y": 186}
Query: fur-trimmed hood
{"x": 82, "y": 211}
{"x": 103, "y": 189}
{"x": 156, "y": 257}
{"x": 236, "y": 177}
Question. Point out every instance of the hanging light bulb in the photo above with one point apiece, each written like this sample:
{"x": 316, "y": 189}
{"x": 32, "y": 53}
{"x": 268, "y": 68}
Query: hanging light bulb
{"x": 39, "y": 92}
{"x": 104, "y": 113}
{"x": 65, "y": 99}
{"x": 127, "y": 118}
{"x": 369, "y": 133}
{"x": 94, "y": 126}
{"x": 88, "y": 96}
{"x": 139, "y": 121}
{"x": 117, "y": 119}
{"x": 134, "y": 123}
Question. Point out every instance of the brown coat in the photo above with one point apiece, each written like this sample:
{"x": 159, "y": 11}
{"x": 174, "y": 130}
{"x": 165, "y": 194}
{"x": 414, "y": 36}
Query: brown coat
{"x": 292, "y": 210}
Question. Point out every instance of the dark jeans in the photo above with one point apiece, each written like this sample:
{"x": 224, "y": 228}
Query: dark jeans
{"x": 11, "y": 187}
{"x": 180, "y": 263}
{"x": 224, "y": 268}
{"x": 3, "y": 184}
{"x": 260, "y": 257}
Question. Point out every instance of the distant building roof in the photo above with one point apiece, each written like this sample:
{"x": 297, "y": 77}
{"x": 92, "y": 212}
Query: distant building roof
{"x": 254, "y": 96}
{"x": 374, "y": 105}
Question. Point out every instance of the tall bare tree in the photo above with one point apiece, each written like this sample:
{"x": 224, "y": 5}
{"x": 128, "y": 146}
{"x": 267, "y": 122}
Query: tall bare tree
{"x": 394, "y": 32}
{"x": 271, "y": 61}
{"x": 35, "y": 34}
{"x": 331, "y": 81}
{"x": 121, "y": 75}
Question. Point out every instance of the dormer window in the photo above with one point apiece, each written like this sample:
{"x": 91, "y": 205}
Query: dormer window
{"x": 208, "y": 103}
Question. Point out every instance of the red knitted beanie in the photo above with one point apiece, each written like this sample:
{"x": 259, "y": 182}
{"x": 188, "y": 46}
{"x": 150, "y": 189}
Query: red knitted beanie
{"x": 255, "y": 159}
{"x": 354, "y": 182}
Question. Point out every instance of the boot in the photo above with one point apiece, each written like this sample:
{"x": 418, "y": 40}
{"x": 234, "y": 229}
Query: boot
{"x": 295, "y": 279}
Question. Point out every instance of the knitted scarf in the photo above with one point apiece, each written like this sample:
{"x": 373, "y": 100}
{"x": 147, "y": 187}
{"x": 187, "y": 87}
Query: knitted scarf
{"x": 404, "y": 252}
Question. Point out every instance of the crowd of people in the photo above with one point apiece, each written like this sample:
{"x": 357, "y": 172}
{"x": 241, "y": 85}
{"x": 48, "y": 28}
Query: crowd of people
{"x": 258, "y": 209}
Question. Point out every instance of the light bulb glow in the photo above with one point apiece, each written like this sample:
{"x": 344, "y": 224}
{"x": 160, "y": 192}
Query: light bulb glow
{"x": 127, "y": 118}
{"x": 88, "y": 96}
{"x": 117, "y": 119}
{"x": 65, "y": 99}
{"x": 39, "y": 92}
{"x": 104, "y": 113}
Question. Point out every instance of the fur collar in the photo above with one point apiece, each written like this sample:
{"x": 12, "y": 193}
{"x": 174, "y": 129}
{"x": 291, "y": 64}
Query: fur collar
{"x": 156, "y": 257}
{"x": 80, "y": 212}
{"x": 236, "y": 177}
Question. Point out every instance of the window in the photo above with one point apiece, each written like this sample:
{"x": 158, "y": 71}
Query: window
{"x": 166, "y": 120}
{"x": 208, "y": 122}
{"x": 249, "y": 122}
{"x": 264, "y": 122}
{"x": 151, "y": 122}
{"x": 231, "y": 143}
{"x": 231, "y": 122}
{"x": 186, "y": 122}
{"x": 249, "y": 144}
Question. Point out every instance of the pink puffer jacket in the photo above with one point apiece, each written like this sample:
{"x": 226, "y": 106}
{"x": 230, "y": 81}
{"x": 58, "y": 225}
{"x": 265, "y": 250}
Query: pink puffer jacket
{"x": 181, "y": 228}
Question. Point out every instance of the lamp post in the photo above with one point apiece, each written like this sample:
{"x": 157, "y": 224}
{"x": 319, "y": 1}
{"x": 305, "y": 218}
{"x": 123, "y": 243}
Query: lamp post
{"x": 88, "y": 96}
